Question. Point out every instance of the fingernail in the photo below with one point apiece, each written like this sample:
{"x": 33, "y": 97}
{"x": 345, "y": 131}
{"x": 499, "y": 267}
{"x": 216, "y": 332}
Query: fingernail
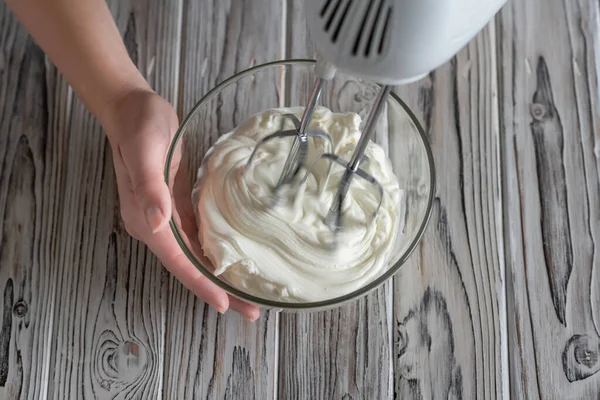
{"x": 154, "y": 218}
{"x": 251, "y": 318}
{"x": 222, "y": 310}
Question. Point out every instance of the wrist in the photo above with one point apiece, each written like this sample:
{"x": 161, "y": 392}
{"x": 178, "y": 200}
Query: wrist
{"x": 119, "y": 87}
{"x": 109, "y": 110}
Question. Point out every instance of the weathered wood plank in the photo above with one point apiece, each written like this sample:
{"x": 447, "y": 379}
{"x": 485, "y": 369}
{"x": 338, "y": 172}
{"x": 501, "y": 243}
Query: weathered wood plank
{"x": 337, "y": 354}
{"x": 450, "y": 298}
{"x": 211, "y": 355}
{"x": 28, "y": 198}
{"x": 345, "y": 352}
{"x": 551, "y": 127}
{"x": 109, "y": 318}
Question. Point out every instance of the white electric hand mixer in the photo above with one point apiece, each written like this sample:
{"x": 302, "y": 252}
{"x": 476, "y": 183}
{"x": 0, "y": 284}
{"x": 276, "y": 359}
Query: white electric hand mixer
{"x": 391, "y": 42}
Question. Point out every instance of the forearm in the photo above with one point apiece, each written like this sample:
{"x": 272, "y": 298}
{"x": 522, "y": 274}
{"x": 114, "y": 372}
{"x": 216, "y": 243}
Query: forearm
{"x": 82, "y": 40}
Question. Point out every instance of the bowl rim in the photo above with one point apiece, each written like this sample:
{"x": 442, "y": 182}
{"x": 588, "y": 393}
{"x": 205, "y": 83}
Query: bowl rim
{"x": 329, "y": 303}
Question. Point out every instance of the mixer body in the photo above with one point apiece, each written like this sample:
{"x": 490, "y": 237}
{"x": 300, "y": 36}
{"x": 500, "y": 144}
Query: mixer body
{"x": 394, "y": 42}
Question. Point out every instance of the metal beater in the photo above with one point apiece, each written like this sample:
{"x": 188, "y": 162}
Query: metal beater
{"x": 299, "y": 151}
{"x": 352, "y": 167}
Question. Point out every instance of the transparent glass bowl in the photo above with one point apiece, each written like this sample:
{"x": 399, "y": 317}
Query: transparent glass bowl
{"x": 283, "y": 84}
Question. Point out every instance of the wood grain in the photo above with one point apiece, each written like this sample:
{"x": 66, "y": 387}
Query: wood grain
{"x": 344, "y": 353}
{"x": 547, "y": 132}
{"x": 550, "y": 124}
{"x": 27, "y": 275}
{"x": 211, "y": 355}
{"x": 449, "y": 302}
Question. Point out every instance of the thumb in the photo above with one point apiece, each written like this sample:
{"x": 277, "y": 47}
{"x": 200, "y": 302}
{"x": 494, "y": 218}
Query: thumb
{"x": 144, "y": 162}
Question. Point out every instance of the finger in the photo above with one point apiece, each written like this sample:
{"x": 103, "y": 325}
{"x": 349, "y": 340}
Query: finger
{"x": 174, "y": 166}
{"x": 166, "y": 248}
{"x": 250, "y": 311}
{"x": 144, "y": 160}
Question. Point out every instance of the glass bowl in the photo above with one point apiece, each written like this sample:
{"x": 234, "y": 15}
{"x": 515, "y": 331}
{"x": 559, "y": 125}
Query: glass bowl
{"x": 284, "y": 84}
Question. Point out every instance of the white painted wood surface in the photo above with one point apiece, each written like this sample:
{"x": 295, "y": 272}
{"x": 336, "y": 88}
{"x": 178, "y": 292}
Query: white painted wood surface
{"x": 550, "y": 118}
{"x": 500, "y": 300}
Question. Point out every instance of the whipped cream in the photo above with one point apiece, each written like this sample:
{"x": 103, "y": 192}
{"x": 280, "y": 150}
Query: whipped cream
{"x": 284, "y": 253}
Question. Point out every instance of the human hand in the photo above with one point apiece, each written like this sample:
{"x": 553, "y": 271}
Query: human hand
{"x": 140, "y": 125}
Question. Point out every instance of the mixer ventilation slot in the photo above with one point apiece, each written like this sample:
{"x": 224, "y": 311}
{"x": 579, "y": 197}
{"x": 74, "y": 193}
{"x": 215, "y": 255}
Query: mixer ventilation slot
{"x": 368, "y": 36}
{"x": 372, "y": 35}
{"x": 334, "y": 12}
{"x": 384, "y": 34}
{"x": 325, "y": 7}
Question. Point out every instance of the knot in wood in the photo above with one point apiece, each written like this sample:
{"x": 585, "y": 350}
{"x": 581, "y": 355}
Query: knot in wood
{"x": 580, "y": 357}
{"x": 365, "y": 95}
{"x": 538, "y": 111}
{"x": 20, "y": 309}
{"x": 131, "y": 358}
{"x": 585, "y": 355}
{"x": 119, "y": 362}
{"x": 402, "y": 340}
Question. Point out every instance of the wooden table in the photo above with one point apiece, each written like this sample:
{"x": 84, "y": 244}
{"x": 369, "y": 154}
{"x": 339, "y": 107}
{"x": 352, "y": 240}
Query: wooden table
{"x": 501, "y": 299}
